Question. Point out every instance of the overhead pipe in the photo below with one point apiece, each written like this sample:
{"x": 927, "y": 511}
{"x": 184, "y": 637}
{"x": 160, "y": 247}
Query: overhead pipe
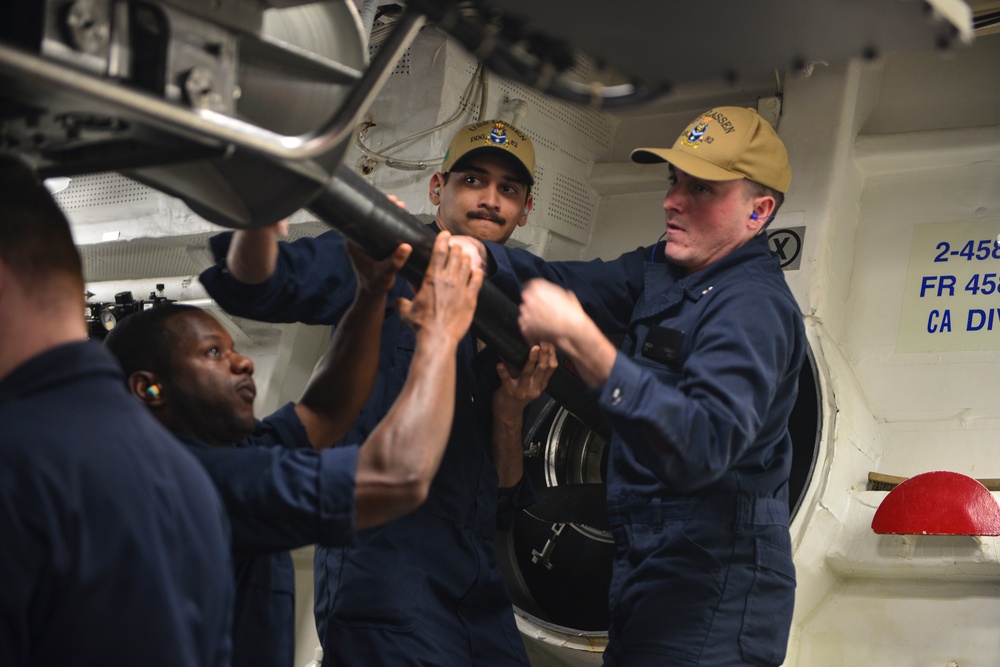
{"x": 213, "y": 127}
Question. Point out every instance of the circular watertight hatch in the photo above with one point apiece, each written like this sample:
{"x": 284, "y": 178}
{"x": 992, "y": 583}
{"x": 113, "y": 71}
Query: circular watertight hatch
{"x": 556, "y": 559}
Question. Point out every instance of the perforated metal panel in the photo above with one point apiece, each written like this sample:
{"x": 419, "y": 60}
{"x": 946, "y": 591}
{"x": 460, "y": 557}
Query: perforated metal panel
{"x": 567, "y": 139}
{"x": 303, "y": 229}
{"x": 185, "y": 255}
{"x": 573, "y": 203}
{"x": 100, "y": 190}
{"x": 402, "y": 67}
{"x": 589, "y": 124}
{"x": 145, "y": 258}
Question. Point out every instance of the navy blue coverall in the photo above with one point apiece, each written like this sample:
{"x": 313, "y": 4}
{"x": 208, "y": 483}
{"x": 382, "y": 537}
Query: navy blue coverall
{"x": 424, "y": 589}
{"x": 114, "y": 545}
{"x": 700, "y": 455}
{"x": 280, "y": 494}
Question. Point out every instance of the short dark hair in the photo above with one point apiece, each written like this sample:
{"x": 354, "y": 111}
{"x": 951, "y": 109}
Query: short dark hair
{"x": 143, "y": 341}
{"x": 35, "y": 238}
{"x": 760, "y": 190}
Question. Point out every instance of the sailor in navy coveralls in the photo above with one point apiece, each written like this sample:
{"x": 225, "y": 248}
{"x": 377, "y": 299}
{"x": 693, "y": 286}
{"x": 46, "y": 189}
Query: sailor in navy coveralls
{"x": 114, "y": 544}
{"x": 698, "y": 396}
{"x": 282, "y": 484}
{"x": 424, "y": 590}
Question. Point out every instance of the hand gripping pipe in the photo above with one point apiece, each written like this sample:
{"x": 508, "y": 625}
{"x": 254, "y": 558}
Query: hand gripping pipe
{"x": 360, "y": 212}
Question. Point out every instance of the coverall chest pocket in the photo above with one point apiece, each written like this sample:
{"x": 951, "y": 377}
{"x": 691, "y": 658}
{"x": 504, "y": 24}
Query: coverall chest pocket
{"x": 658, "y": 346}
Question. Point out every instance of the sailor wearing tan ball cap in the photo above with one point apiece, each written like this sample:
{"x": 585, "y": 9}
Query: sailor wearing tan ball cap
{"x": 425, "y": 589}
{"x": 698, "y": 397}
{"x": 484, "y": 186}
{"x": 740, "y": 151}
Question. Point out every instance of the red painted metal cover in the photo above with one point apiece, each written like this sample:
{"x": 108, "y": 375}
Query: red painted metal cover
{"x": 938, "y": 503}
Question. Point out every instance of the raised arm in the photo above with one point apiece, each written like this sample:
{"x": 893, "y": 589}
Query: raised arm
{"x": 398, "y": 461}
{"x": 549, "y": 312}
{"x": 253, "y": 253}
{"x": 344, "y": 376}
{"x": 518, "y": 388}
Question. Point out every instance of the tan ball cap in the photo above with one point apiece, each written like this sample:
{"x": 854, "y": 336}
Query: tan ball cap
{"x": 492, "y": 135}
{"x": 725, "y": 144}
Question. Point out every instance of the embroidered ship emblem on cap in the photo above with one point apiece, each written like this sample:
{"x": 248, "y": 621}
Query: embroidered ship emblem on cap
{"x": 697, "y": 133}
{"x": 498, "y": 135}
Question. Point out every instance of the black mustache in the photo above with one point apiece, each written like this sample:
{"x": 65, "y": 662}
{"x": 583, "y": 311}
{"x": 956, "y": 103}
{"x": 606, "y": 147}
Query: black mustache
{"x": 487, "y": 215}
